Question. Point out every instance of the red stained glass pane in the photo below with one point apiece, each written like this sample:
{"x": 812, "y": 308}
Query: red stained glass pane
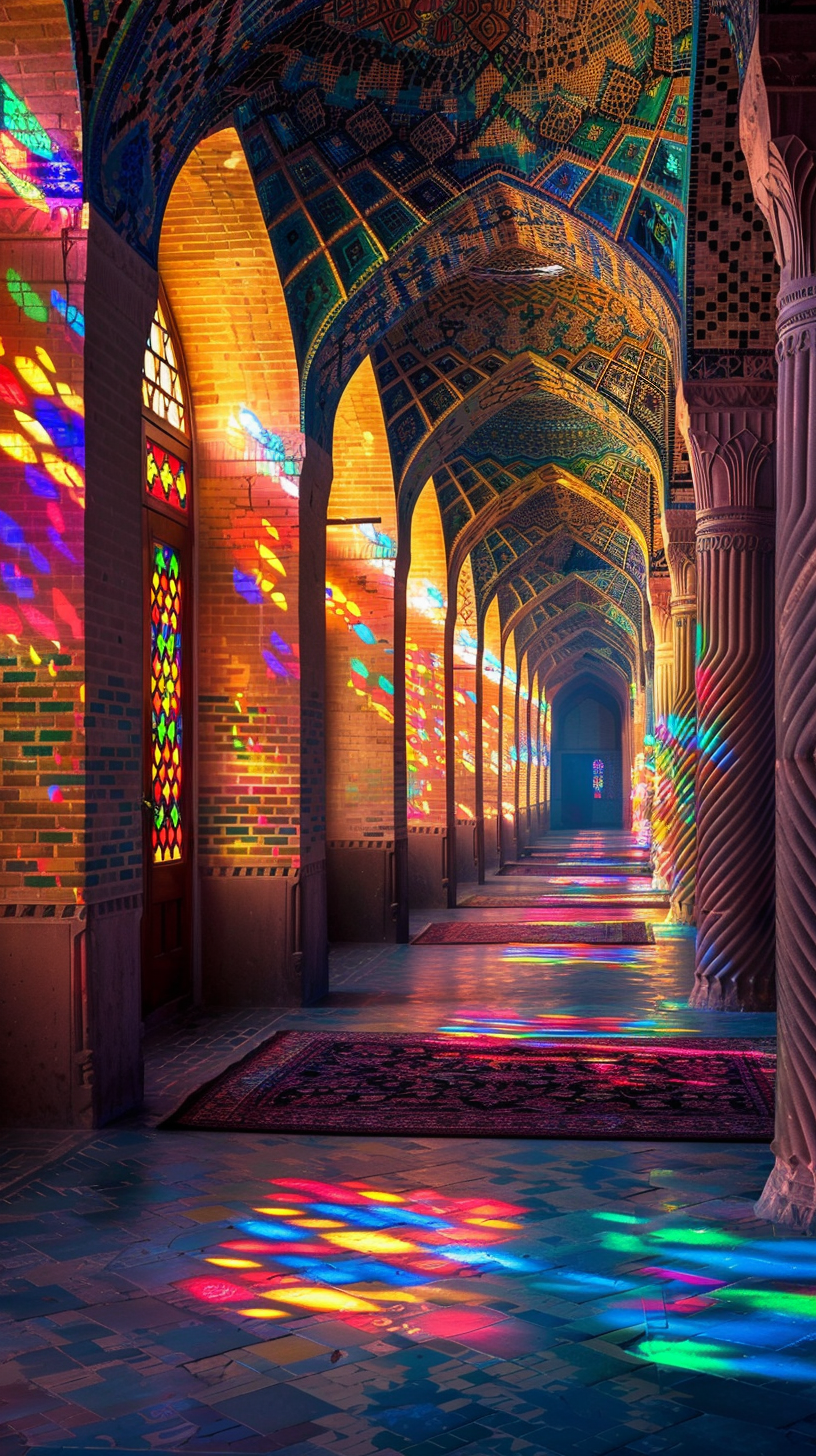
{"x": 165, "y": 476}
{"x": 165, "y": 704}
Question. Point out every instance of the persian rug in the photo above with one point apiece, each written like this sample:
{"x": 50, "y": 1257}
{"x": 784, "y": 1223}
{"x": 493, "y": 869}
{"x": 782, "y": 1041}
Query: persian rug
{"x": 632, "y": 900}
{"x": 432, "y": 1085}
{"x": 512, "y": 932}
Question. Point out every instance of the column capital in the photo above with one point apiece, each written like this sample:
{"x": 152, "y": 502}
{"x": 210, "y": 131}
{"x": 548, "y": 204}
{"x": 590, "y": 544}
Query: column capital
{"x": 776, "y": 135}
{"x": 731, "y": 425}
{"x": 735, "y": 528}
{"x": 679, "y": 536}
{"x": 660, "y": 601}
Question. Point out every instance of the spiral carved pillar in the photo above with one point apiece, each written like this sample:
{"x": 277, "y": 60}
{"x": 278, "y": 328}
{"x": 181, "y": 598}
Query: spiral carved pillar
{"x": 731, "y": 430}
{"x": 682, "y": 836}
{"x": 660, "y": 589}
{"x": 783, "y": 173}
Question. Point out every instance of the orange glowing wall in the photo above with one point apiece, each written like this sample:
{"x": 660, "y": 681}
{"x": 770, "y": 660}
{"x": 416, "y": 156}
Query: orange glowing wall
{"x": 508, "y": 729}
{"x": 223, "y": 288}
{"x": 42, "y": 522}
{"x": 490, "y": 712}
{"x": 360, "y": 621}
{"x": 425, "y": 680}
{"x": 464, "y": 679}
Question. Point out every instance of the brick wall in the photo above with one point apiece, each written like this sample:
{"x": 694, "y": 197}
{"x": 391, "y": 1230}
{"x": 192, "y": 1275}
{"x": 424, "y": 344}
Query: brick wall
{"x": 464, "y": 681}
{"x": 217, "y": 267}
{"x": 42, "y": 555}
{"x": 427, "y": 594}
{"x": 360, "y": 621}
{"x": 42, "y": 486}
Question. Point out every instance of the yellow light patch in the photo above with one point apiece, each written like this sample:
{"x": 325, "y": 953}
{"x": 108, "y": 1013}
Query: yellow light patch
{"x": 319, "y": 1223}
{"x": 235, "y": 1263}
{"x": 33, "y": 428}
{"x": 322, "y": 1299}
{"x": 18, "y": 448}
{"x": 33, "y": 375}
{"x": 370, "y": 1243}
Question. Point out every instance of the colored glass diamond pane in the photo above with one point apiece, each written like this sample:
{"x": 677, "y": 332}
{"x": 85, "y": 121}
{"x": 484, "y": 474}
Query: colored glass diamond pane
{"x": 165, "y": 476}
{"x": 165, "y": 705}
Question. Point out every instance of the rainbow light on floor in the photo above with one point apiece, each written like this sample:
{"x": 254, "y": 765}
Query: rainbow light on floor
{"x": 323, "y": 1248}
{"x": 611, "y": 956}
{"x": 692, "y": 1295}
{"x": 542, "y": 1030}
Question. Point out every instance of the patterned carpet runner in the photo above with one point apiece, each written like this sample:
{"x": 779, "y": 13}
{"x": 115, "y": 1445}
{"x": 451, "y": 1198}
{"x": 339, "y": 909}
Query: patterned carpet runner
{"x": 430, "y": 1085}
{"x": 513, "y": 932}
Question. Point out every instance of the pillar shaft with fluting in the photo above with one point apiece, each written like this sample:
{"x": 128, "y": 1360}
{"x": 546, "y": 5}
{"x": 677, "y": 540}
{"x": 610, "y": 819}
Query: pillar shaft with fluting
{"x": 790, "y": 1194}
{"x": 660, "y": 591}
{"x": 783, "y": 173}
{"x": 731, "y": 435}
{"x": 682, "y": 836}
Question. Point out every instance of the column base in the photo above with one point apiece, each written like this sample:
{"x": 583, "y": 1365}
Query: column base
{"x": 681, "y": 913}
{"x": 789, "y": 1198}
{"x": 716, "y": 995}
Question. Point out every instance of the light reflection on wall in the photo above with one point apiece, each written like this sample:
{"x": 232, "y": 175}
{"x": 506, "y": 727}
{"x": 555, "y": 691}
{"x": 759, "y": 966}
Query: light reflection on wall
{"x": 249, "y": 454}
{"x": 42, "y": 458}
{"x": 360, "y": 669}
{"x": 33, "y": 167}
{"x": 426, "y": 600}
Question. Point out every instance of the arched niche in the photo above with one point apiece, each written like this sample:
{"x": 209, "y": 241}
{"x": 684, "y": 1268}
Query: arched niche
{"x": 590, "y": 770}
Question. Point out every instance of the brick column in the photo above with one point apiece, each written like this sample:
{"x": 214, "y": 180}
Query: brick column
{"x": 315, "y": 485}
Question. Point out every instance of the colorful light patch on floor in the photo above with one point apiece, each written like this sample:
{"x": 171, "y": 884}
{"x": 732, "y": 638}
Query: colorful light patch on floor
{"x": 700, "y": 1305}
{"x": 611, "y": 956}
{"x": 683, "y": 1291}
{"x": 540, "y": 1030}
{"x": 347, "y": 1248}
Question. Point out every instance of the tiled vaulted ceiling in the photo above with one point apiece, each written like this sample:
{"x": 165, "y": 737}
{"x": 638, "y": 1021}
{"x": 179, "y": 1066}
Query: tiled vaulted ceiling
{"x": 486, "y": 196}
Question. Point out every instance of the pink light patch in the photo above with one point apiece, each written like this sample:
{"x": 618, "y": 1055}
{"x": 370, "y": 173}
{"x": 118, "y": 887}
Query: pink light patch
{"x": 684, "y": 1278}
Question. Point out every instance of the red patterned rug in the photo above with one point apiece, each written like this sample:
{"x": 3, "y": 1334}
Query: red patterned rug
{"x": 513, "y": 932}
{"x": 429, "y": 1085}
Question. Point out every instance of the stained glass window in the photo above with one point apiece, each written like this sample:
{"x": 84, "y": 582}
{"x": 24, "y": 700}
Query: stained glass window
{"x": 165, "y": 475}
{"x": 161, "y": 381}
{"x": 166, "y": 716}
{"x": 598, "y": 777}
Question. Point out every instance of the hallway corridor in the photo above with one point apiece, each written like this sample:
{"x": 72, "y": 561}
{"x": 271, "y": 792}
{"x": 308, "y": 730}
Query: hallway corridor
{"x": 432, "y": 1295}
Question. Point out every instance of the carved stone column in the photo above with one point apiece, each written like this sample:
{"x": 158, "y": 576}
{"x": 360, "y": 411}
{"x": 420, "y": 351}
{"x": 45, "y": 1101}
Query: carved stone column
{"x": 682, "y": 837}
{"x": 731, "y": 430}
{"x": 660, "y": 590}
{"x": 783, "y": 174}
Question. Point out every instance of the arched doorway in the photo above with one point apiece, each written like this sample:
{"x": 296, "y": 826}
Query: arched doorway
{"x": 587, "y": 759}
